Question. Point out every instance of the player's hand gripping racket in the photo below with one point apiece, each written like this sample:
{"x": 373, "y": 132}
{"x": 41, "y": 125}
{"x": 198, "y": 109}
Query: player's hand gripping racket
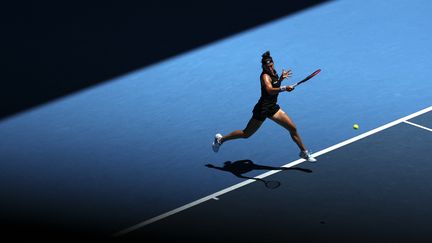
{"x": 307, "y": 78}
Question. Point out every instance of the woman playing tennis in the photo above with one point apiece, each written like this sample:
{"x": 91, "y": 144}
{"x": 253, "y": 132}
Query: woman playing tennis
{"x": 267, "y": 107}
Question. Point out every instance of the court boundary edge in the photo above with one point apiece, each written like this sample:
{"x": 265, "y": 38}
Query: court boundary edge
{"x": 269, "y": 173}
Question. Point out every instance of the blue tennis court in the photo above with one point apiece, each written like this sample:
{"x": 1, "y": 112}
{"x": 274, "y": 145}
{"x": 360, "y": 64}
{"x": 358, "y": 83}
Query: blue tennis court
{"x": 369, "y": 188}
{"x": 133, "y": 148}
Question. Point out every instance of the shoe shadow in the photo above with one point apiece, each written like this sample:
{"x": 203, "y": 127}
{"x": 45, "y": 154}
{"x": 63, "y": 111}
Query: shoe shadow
{"x": 240, "y": 167}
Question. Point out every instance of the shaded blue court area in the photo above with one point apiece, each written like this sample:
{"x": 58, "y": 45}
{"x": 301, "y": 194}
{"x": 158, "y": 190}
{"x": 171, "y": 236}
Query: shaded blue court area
{"x": 375, "y": 189}
{"x": 113, "y": 156}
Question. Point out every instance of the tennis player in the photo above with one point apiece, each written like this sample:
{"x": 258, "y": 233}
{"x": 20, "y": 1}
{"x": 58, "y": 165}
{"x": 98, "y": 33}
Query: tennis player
{"x": 267, "y": 107}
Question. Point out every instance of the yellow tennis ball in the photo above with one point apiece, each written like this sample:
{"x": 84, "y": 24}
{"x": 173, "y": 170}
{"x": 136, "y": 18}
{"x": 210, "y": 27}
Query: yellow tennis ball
{"x": 356, "y": 126}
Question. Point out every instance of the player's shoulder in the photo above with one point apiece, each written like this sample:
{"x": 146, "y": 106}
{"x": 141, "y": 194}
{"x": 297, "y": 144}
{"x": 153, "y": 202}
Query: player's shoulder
{"x": 265, "y": 76}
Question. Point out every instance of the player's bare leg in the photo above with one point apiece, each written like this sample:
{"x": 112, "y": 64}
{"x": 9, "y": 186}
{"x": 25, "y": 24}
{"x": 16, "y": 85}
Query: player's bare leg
{"x": 250, "y": 129}
{"x": 285, "y": 121}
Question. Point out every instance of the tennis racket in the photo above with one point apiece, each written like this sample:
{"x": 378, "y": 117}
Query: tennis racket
{"x": 307, "y": 78}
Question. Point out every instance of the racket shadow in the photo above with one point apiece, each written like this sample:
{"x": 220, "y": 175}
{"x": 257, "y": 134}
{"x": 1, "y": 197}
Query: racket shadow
{"x": 240, "y": 167}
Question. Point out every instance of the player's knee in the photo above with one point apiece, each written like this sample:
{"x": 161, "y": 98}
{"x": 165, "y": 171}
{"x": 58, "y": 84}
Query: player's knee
{"x": 292, "y": 129}
{"x": 246, "y": 134}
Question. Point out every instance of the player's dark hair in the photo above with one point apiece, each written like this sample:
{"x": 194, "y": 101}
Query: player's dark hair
{"x": 266, "y": 58}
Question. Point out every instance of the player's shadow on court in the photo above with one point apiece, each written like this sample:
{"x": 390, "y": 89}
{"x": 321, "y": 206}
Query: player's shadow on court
{"x": 240, "y": 167}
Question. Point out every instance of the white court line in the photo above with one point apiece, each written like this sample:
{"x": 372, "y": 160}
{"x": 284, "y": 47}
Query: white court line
{"x": 417, "y": 125}
{"x": 291, "y": 164}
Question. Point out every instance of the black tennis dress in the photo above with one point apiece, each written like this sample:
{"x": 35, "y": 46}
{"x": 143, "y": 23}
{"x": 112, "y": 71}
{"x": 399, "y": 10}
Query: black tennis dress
{"x": 267, "y": 104}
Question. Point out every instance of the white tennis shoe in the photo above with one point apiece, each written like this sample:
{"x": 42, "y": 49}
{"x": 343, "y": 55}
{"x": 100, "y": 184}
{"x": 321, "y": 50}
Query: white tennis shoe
{"x": 307, "y": 156}
{"x": 217, "y": 143}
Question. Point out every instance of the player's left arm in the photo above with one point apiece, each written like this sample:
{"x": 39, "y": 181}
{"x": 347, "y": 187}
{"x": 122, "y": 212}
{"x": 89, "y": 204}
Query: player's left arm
{"x": 285, "y": 74}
